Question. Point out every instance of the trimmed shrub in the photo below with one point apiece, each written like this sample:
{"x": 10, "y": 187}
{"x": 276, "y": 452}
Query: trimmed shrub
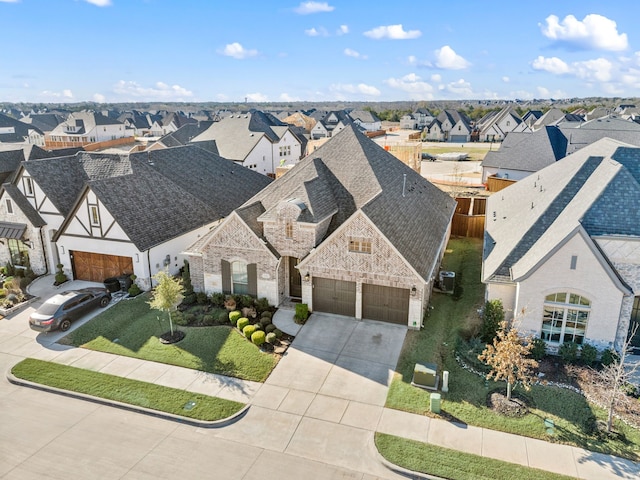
{"x": 223, "y": 317}
{"x": 246, "y": 301}
{"x": 189, "y": 299}
{"x": 202, "y": 298}
{"x": 60, "y": 277}
{"x": 178, "y": 318}
{"x": 492, "y": 316}
{"x": 217, "y": 299}
{"x": 266, "y": 314}
{"x": 208, "y": 319}
{"x": 278, "y": 333}
{"x": 190, "y": 318}
{"x": 264, "y": 321}
{"x": 271, "y": 338}
{"x": 241, "y": 323}
{"x": 539, "y": 349}
{"x": 588, "y": 354}
{"x": 568, "y": 351}
{"x": 270, "y": 328}
{"x": 609, "y": 356}
{"x": 261, "y": 304}
{"x": 186, "y": 280}
{"x": 234, "y": 316}
{"x": 249, "y": 330}
{"x": 134, "y": 290}
{"x": 258, "y": 338}
{"x": 302, "y": 313}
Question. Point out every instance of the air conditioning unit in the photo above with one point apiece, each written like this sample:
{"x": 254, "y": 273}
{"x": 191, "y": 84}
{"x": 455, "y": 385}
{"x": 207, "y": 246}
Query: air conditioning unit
{"x": 447, "y": 281}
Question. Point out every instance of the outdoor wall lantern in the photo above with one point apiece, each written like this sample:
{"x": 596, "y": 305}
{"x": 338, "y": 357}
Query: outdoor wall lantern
{"x": 28, "y": 243}
{"x": 167, "y": 261}
{"x": 413, "y": 291}
{"x": 62, "y": 249}
{"x": 307, "y": 277}
{"x": 137, "y": 258}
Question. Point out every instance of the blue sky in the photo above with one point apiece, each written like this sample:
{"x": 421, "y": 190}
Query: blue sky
{"x": 275, "y": 51}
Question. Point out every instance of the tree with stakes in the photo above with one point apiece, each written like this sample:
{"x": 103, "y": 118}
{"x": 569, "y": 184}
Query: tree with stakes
{"x": 167, "y": 295}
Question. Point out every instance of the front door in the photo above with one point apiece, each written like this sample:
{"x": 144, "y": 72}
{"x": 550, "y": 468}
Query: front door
{"x": 295, "y": 281}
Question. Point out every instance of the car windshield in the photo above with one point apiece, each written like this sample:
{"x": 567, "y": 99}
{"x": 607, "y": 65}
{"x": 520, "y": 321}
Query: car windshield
{"x": 48, "y": 308}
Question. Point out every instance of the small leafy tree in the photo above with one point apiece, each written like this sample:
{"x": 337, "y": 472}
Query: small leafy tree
{"x": 167, "y": 295}
{"x": 492, "y": 316}
{"x": 508, "y": 358}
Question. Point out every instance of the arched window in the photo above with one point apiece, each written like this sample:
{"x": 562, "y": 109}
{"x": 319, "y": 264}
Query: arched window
{"x": 565, "y": 318}
{"x": 239, "y": 278}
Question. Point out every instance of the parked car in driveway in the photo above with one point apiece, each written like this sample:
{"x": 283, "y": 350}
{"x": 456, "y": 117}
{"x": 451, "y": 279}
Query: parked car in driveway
{"x": 59, "y": 311}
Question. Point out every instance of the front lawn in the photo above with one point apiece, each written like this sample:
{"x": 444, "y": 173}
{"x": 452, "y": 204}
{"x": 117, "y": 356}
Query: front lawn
{"x": 466, "y": 401}
{"x": 132, "y": 328}
{"x": 126, "y": 390}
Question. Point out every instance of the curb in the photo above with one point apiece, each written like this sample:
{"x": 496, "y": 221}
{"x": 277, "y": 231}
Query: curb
{"x": 132, "y": 408}
{"x": 401, "y": 470}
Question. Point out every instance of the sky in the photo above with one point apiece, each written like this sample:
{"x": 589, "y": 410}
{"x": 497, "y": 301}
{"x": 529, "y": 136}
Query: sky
{"x": 339, "y": 50}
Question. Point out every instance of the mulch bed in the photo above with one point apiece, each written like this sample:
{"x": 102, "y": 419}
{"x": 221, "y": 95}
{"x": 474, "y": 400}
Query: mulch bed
{"x": 516, "y": 407}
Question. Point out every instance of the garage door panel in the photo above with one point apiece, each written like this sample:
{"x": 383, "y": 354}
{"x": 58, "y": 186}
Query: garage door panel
{"x": 334, "y": 296}
{"x": 388, "y": 304}
{"x": 96, "y": 267}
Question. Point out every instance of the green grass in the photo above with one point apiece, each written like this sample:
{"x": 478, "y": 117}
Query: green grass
{"x": 452, "y": 464}
{"x": 466, "y": 400}
{"x": 131, "y": 328}
{"x": 125, "y": 390}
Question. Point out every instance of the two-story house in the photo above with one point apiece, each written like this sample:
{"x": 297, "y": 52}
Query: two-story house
{"x": 85, "y": 128}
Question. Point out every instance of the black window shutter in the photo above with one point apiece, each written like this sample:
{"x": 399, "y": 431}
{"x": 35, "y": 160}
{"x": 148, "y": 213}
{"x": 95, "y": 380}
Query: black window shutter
{"x": 226, "y": 277}
{"x": 252, "y": 274}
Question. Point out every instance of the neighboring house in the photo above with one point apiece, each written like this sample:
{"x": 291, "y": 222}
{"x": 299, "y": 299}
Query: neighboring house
{"x": 350, "y": 230}
{"x": 553, "y": 116}
{"x": 522, "y": 154}
{"x": 169, "y": 122}
{"x": 254, "y": 140}
{"x": 366, "y": 120}
{"x": 103, "y": 215}
{"x": 423, "y": 117}
{"x": 561, "y": 248}
{"x": 408, "y": 122}
{"x": 495, "y": 125}
{"x": 531, "y": 117}
{"x": 449, "y": 126}
{"x": 329, "y": 124}
{"x": 15, "y": 131}
{"x": 182, "y": 136}
{"x": 45, "y": 122}
{"x": 300, "y": 120}
{"x": 139, "y": 122}
{"x": 85, "y": 128}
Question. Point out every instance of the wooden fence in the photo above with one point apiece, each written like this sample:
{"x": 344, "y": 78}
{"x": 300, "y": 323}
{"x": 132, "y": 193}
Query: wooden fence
{"x": 495, "y": 184}
{"x": 468, "y": 219}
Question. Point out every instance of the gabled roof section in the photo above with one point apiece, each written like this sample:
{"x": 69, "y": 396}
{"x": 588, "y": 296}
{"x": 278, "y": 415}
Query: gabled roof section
{"x": 365, "y": 116}
{"x": 14, "y": 130}
{"x": 23, "y": 204}
{"x": 582, "y": 134}
{"x": 184, "y": 134}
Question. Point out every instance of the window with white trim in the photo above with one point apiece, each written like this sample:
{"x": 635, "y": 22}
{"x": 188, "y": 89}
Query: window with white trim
{"x": 565, "y": 317}
{"x": 9, "y": 206}
{"x": 28, "y": 186}
{"x": 360, "y": 245}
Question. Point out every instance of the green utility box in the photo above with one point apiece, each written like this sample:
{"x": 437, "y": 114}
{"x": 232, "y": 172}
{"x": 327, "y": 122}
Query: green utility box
{"x": 425, "y": 375}
{"x": 434, "y": 403}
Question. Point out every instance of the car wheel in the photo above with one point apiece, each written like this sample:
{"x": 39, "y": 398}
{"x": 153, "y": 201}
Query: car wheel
{"x": 64, "y": 326}
{"x": 104, "y": 301}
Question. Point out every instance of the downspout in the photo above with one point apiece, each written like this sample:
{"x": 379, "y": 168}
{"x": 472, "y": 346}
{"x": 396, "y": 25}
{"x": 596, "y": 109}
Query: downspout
{"x": 44, "y": 253}
{"x": 149, "y": 265}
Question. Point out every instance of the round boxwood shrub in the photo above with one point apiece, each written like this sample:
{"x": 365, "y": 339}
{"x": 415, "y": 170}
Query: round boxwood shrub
{"x": 258, "y": 337}
{"x": 178, "y": 318}
{"x": 609, "y": 356}
{"x": 201, "y": 298}
{"x": 568, "y": 351}
{"x": 539, "y": 349}
{"x": 242, "y": 322}
{"x": 265, "y": 321}
{"x": 249, "y": 330}
{"x": 266, "y": 314}
{"x": 278, "y": 333}
{"x": 234, "y": 316}
{"x": 208, "y": 319}
{"x": 270, "y": 328}
{"x": 223, "y": 317}
{"x": 271, "y": 338}
{"x": 588, "y": 354}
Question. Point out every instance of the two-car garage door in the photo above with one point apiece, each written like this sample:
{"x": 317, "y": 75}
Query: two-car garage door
{"x": 387, "y": 304}
{"x": 96, "y": 267}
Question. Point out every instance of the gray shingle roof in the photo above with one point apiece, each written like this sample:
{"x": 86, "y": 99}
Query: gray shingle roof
{"x": 19, "y": 130}
{"x": 351, "y": 172}
{"x": 23, "y": 204}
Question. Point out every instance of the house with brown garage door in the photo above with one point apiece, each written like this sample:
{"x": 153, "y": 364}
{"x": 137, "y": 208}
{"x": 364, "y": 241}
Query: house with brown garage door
{"x": 105, "y": 215}
{"x": 349, "y": 230}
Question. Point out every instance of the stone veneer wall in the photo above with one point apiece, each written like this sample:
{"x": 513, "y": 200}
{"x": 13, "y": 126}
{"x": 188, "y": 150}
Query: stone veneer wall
{"x": 37, "y": 257}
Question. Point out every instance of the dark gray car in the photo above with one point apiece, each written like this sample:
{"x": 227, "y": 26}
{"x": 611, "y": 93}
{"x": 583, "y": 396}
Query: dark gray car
{"x": 59, "y": 311}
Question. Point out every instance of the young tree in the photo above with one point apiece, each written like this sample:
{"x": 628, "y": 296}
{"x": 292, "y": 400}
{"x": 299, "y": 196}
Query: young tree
{"x": 508, "y": 358}
{"x": 167, "y": 295}
{"x": 613, "y": 376}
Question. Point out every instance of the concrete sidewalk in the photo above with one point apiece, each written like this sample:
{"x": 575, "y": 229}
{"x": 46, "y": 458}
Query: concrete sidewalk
{"x": 322, "y": 405}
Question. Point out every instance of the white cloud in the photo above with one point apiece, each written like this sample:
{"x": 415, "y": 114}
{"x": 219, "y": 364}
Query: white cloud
{"x": 448, "y": 59}
{"x": 306, "y": 8}
{"x": 436, "y": 77}
{"x": 552, "y": 65}
{"x": 99, "y": 3}
{"x": 598, "y": 69}
{"x": 66, "y": 94}
{"x": 361, "y": 88}
{"x": 160, "y": 91}
{"x": 506, "y": 79}
{"x": 98, "y": 97}
{"x": 460, "y": 88}
{"x": 257, "y": 97}
{"x": 9, "y": 1}
{"x": 352, "y": 53}
{"x": 285, "y": 97}
{"x": 413, "y": 85}
{"x": 317, "y": 32}
{"x": 593, "y": 32}
{"x": 237, "y": 51}
{"x": 392, "y": 32}
{"x": 343, "y": 30}
{"x": 546, "y": 93}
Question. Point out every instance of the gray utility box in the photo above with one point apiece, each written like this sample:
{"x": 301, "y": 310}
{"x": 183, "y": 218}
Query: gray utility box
{"x": 425, "y": 375}
{"x": 447, "y": 281}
